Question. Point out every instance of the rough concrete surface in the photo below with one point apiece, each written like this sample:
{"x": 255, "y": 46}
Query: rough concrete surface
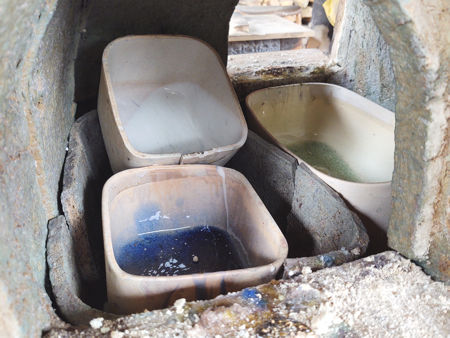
{"x": 37, "y": 42}
{"x": 65, "y": 277}
{"x": 312, "y": 216}
{"x": 27, "y": 192}
{"x": 363, "y": 55}
{"x": 417, "y": 33}
{"x": 262, "y": 46}
{"x": 85, "y": 171}
{"x": 250, "y": 72}
{"x": 379, "y": 296}
{"x": 49, "y": 94}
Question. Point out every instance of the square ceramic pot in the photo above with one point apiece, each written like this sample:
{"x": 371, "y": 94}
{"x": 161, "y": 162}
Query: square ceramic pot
{"x": 345, "y": 139}
{"x": 167, "y": 100}
{"x": 154, "y": 200}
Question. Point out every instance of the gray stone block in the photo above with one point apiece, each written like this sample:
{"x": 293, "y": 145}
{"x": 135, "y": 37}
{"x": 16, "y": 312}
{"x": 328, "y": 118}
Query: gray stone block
{"x": 250, "y": 72}
{"x": 85, "y": 171}
{"x": 48, "y": 94}
{"x": 417, "y": 34}
{"x": 271, "y": 173}
{"x": 314, "y": 218}
{"x": 65, "y": 276}
{"x": 363, "y": 55}
{"x": 32, "y": 143}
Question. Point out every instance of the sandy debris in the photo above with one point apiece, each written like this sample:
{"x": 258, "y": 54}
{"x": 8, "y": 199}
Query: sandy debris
{"x": 380, "y": 296}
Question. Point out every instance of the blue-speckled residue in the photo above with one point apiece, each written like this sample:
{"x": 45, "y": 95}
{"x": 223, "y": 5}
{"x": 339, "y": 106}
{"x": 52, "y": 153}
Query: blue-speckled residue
{"x": 182, "y": 251}
{"x": 327, "y": 260}
{"x": 254, "y": 296}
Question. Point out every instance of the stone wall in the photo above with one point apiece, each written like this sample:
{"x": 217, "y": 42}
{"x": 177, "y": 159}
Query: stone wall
{"x": 363, "y": 55}
{"x": 37, "y": 49}
{"x": 417, "y": 33}
{"x": 38, "y": 43}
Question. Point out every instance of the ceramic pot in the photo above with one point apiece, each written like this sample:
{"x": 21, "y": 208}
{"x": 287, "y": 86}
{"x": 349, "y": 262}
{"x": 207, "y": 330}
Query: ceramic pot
{"x": 147, "y": 200}
{"x": 345, "y": 139}
{"x": 167, "y": 100}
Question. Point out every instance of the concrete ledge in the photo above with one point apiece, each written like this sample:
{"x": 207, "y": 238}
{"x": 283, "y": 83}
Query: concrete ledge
{"x": 249, "y": 72}
{"x": 381, "y": 295}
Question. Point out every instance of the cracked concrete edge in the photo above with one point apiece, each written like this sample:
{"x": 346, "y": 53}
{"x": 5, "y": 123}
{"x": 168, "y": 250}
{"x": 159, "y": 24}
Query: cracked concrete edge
{"x": 294, "y": 267}
{"x": 250, "y": 72}
{"x": 76, "y": 170}
{"x": 417, "y": 35}
{"x": 330, "y": 227}
{"x": 359, "y": 242}
{"x": 64, "y": 276}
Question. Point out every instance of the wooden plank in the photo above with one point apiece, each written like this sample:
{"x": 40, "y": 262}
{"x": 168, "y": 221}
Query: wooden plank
{"x": 264, "y": 27}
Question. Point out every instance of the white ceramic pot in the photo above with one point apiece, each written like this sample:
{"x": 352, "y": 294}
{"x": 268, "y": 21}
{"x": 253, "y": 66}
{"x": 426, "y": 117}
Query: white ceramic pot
{"x": 167, "y": 100}
{"x": 153, "y": 200}
{"x": 344, "y": 138}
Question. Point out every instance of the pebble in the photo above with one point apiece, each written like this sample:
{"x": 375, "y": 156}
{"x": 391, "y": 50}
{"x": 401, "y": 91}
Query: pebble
{"x": 306, "y": 270}
{"x": 179, "y": 303}
{"x": 96, "y": 323}
{"x": 104, "y": 329}
{"x": 356, "y": 251}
